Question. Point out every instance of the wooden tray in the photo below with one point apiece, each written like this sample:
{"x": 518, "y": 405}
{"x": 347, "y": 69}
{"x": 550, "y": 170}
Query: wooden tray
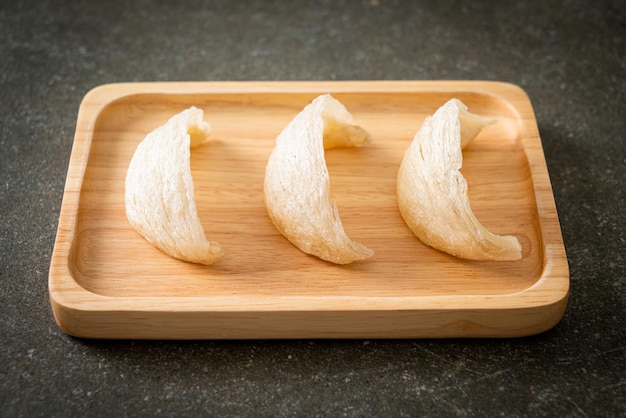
{"x": 107, "y": 282}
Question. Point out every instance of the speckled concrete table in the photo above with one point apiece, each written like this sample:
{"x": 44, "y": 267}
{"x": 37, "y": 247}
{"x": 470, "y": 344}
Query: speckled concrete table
{"x": 571, "y": 60}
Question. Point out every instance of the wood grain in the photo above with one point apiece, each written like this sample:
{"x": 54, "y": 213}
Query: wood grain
{"x": 107, "y": 282}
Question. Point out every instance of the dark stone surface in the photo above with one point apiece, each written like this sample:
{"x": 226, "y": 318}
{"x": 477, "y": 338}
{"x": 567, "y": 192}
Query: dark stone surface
{"x": 570, "y": 57}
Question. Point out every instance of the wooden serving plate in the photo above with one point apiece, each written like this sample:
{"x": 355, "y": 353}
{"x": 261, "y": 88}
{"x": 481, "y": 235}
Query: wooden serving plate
{"x": 106, "y": 281}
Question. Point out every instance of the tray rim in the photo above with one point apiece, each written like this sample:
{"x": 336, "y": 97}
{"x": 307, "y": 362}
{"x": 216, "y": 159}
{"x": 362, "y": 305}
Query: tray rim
{"x": 76, "y": 309}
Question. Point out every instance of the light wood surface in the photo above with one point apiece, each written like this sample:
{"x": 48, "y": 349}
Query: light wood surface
{"x": 106, "y": 281}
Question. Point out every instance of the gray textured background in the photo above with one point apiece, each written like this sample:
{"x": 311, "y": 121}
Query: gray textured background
{"x": 569, "y": 56}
